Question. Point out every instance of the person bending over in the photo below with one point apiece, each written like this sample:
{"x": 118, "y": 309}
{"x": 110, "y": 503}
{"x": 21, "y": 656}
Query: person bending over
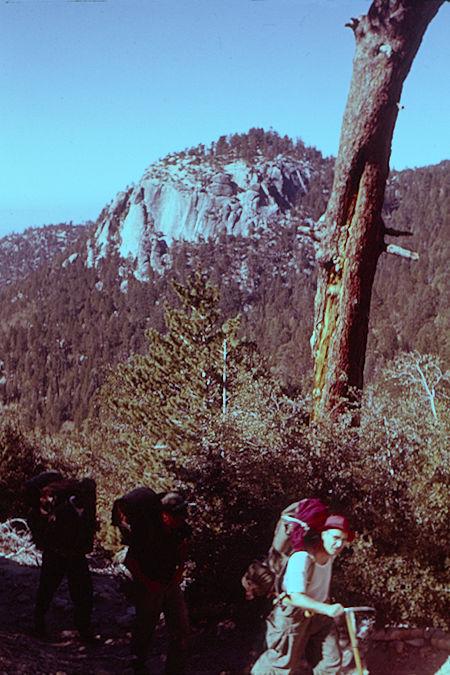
{"x": 301, "y": 624}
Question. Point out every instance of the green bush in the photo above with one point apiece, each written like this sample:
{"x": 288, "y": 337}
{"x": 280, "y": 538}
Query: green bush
{"x": 19, "y": 460}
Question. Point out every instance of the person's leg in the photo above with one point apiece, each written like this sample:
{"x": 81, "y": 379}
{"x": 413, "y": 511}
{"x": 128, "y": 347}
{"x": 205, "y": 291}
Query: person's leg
{"x": 52, "y": 572}
{"x": 322, "y": 650}
{"x": 148, "y": 606}
{"x": 177, "y": 622}
{"x": 81, "y": 592}
{"x": 286, "y": 636}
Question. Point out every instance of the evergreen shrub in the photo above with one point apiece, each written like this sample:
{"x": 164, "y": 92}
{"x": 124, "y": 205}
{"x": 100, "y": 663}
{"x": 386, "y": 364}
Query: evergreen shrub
{"x": 20, "y": 459}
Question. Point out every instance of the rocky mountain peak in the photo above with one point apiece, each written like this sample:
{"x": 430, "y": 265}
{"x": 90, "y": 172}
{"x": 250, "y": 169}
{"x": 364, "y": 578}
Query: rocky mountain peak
{"x": 187, "y": 196}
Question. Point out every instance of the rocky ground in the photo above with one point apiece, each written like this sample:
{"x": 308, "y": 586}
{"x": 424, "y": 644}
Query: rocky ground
{"x": 220, "y": 645}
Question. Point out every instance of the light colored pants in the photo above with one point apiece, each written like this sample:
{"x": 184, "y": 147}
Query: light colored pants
{"x": 291, "y": 636}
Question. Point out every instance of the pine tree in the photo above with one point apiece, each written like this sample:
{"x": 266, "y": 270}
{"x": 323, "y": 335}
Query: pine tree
{"x": 172, "y": 394}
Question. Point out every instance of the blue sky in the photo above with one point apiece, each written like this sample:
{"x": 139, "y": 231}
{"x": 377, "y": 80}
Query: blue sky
{"x": 92, "y": 92}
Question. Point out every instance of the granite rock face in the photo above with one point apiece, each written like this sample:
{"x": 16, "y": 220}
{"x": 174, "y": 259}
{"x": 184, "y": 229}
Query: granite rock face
{"x": 187, "y": 198}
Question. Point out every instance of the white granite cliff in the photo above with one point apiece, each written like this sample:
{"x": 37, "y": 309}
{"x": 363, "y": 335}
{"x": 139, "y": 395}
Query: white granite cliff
{"x": 191, "y": 197}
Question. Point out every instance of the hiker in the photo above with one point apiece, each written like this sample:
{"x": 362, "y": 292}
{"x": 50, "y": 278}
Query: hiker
{"x": 61, "y": 517}
{"x": 155, "y": 530}
{"x": 301, "y": 623}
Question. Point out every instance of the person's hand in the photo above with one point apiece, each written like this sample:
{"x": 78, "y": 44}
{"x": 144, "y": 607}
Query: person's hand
{"x": 335, "y": 610}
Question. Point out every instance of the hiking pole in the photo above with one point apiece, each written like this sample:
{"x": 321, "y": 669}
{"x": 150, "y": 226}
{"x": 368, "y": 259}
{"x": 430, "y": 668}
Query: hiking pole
{"x": 351, "y": 627}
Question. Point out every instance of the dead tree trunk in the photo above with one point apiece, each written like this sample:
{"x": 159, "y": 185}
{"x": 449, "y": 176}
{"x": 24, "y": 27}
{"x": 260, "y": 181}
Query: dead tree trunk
{"x": 351, "y": 233}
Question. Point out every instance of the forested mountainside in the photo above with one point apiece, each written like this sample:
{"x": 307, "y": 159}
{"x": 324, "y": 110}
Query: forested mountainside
{"x": 411, "y": 300}
{"x": 67, "y": 321}
{"x": 20, "y": 254}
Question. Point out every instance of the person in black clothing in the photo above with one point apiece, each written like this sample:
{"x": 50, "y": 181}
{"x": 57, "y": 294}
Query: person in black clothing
{"x": 61, "y": 516}
{"x": 155, "y": 530}
{"x": 56, "y": 566}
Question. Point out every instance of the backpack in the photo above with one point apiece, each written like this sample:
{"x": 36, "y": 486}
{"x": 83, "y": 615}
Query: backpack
{"x": 264, "y": 577}
{"x": 137, "y": 515}
{"x": 61, "y": 513}
{"x": 154, "y": 553}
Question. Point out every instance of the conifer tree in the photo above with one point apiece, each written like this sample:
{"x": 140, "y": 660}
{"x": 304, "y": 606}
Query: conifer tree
{"x": 173, "y": 393}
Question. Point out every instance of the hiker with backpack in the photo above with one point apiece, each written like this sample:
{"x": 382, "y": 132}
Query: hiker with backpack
{"x": 62, "y": 520}
{"x": 154, "y": 528}
{"x": 301, "y": 623}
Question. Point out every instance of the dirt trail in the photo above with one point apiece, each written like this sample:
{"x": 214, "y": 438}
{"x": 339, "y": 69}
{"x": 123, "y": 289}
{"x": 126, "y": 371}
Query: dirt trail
{"x": 218, "y": 647}
{"x": 215, "y": 649}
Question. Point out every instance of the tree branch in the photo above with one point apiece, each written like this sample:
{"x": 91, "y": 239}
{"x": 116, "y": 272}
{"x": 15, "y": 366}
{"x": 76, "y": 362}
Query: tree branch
{"x": 397, "y": 233}
{"x": 402, "y": 252}
{"x": 394, "y": 233}
{"x": 353, "y": 24}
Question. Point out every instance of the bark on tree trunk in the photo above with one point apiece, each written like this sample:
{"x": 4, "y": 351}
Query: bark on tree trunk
{"x": 351, "y": 231}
